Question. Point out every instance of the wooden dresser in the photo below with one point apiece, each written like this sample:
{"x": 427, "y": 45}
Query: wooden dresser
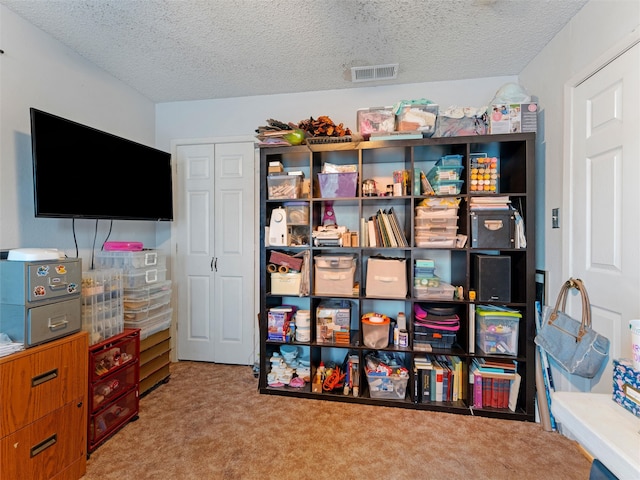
{"x": 43, "y": 411}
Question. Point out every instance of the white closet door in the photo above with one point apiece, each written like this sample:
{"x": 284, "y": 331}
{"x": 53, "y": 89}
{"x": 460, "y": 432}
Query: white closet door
{"x": 215, "y": 237}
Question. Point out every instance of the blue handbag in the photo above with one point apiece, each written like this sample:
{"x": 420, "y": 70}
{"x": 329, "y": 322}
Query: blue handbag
{"x": 573, "y": 344}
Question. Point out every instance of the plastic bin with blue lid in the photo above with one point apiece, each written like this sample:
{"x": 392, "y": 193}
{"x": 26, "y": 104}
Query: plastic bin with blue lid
{"x": 438, "y": 173}
{"x": 447, "y": 187}
{"x": 449, "y": 161}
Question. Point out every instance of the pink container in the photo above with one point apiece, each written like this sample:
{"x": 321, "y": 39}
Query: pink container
{"x": 123, "y": 246}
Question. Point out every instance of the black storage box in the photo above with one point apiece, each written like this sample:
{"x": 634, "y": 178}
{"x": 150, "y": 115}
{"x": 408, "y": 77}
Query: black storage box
{"x": 493, "y": 229}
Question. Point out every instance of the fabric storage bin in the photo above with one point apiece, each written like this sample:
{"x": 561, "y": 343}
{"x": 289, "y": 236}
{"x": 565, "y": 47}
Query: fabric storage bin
{"x": 497, "y": 331}
{"x": 386, "y": 277}
{"x": 492, "y": 229}
{"x": 387, "y": 386}
{"x": 334, "y": 275}
{"x": 626, "y": 385}
{"x": 338, "y": 185}
{"x": 286, "y": 283}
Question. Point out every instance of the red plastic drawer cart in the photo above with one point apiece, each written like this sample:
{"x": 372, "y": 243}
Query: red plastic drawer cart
{"x": 114, "y": 376}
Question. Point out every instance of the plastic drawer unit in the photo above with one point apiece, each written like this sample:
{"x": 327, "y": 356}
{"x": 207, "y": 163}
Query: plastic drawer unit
{"x": 114, "y": 373}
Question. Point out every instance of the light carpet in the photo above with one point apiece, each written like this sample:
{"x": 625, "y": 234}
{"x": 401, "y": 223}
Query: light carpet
{"x": 210, "y": 422}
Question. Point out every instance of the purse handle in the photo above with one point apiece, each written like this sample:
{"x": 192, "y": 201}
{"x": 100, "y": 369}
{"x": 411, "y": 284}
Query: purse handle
{"x": 586, "y": 305}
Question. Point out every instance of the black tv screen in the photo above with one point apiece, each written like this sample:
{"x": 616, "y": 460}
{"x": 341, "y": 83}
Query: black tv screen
{"x": 82, "y": 172}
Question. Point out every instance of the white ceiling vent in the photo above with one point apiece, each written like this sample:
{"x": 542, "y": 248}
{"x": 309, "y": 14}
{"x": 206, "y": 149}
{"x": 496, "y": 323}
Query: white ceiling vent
{"x": 374, "y": 72}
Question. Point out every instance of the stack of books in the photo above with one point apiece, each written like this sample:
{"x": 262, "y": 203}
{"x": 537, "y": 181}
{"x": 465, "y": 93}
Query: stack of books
{"x": 496, "y": 383}
{"x": 383, "y": 230}
{"x": 438, "y": 378}
{"x": 490, "y": 203}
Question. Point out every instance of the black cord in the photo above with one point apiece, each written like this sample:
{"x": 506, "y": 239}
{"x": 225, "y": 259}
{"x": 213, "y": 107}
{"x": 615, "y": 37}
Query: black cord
{"x": 108, "y": 235}
{"x": 95, "y": 235}
{"x": 75, "y": 240}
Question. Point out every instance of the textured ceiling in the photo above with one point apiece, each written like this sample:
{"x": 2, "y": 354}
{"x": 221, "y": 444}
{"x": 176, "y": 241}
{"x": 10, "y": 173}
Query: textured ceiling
{"x": 173, "y": 50}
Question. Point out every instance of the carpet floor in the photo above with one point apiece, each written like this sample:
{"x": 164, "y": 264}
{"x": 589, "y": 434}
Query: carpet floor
{"x": 209, "y": 422}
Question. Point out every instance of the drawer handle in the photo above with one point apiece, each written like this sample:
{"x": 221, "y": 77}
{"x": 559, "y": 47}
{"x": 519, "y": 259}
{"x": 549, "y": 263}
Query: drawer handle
{"x": 56, "y": 323}
{"x": 58, "y": 286}
{"x": 44, "y": 377}
{"x": 493, "y": 224}
{"x": 150, "y": 259}
{"x": 43, "y": 445}
{"x": 151, "y": 275}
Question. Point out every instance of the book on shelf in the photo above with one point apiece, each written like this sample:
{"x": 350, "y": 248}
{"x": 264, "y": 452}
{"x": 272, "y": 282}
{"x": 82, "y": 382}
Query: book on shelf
{"x": 364, "y": 232}
{"x": 427, "y": 189}
{"x": 514, "y": 390}
{"x": 490, "y": 202}
{"x": 486, "y": 392}
{"x": 372, "y": 234}
{"x": 472, "y": 328}
{"x": 422, "y": 372}
{"x": 401, "y": 237}
{"x": 436, "y": 381}
{"x": 476, "y": 383}
{"x": 501, "y": 364}
{"x": 457, "y": 372}
{"x": 493, "y": 371}
{"x": 385, "y": 225}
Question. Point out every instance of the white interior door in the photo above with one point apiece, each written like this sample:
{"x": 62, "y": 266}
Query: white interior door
{"x": 604, "y": 204}
{"x": 215, "y": 241}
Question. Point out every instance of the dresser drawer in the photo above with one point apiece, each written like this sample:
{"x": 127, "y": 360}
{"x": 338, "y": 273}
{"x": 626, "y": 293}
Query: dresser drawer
{"x": 35, "y": 382}
{"x": 47, "y": 446}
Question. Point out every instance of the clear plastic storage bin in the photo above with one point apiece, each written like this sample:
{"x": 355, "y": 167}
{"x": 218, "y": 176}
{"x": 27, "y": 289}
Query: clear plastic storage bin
{"x": 284, "y": 186}
{"x": 131, "y": 260}
{"x": 387, "y": 386}
{"x": 443, "y": 291}
{"x": 158, "y": 322}
{"x": 139, "y": 277}
{"x": 101, "y": 304}
{"x": 497, "y": 332}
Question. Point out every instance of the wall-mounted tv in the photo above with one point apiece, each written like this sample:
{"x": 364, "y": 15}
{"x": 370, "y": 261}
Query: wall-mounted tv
{"x": 82, "y": 172}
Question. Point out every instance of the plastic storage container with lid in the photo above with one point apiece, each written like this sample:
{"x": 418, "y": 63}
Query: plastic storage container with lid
{"x": 375, "y": 330}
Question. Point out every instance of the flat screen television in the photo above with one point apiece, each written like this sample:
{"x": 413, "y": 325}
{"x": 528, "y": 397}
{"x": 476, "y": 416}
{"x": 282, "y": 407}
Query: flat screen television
{"x": 82, "y": 172}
